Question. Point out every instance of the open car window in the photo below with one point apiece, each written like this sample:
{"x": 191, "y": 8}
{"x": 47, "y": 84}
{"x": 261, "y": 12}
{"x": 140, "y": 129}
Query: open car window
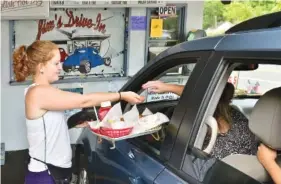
{"x": 175, "y": 75}
{"x": 164, "y": 103}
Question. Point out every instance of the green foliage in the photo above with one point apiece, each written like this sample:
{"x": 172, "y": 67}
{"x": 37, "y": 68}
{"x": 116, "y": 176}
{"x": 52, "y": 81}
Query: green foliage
{"x": 170, "y": 23}
{"x": 238, "y": 11}
{"x": 213, "y": 12}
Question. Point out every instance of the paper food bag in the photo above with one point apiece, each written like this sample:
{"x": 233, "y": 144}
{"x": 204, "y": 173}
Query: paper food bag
{"x": 146, "y": 112}
{"x": 115, "y": 119}
{"x": 114, "y": 113}
{"x": 149, "y": 122}
{"x": 132, "y": 116}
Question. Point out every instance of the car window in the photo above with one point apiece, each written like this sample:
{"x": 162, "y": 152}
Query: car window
{"x": 175, "y": 75}
{"x": 164, "y": 103}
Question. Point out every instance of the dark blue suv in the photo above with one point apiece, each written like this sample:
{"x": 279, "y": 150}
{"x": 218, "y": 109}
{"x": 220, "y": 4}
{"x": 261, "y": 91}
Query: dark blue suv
{"x": 175, "y": 154}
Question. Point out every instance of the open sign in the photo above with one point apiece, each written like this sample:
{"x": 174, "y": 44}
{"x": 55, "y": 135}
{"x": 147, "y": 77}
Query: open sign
{"x": 167, "y": 11}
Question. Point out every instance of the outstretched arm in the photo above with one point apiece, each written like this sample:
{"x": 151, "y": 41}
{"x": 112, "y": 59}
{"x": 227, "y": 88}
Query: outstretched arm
{"x": 50, "y": 98}
{"x": 160, "y": 87}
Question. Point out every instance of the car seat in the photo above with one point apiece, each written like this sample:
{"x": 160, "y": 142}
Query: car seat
{"x": 265, "y": 123}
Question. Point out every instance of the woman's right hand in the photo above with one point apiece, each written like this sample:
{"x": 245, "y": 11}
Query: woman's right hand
{"x": 131, "y": 97}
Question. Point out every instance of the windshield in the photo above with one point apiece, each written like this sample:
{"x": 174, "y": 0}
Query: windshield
{"x": 256, "y": 82}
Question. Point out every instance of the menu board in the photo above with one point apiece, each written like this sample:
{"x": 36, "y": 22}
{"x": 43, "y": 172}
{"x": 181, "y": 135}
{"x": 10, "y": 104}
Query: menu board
{"x": 109, "y": 4}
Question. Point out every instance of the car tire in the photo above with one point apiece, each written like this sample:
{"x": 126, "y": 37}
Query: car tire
{"x": 85, "y": 66}
{"x": 66, "y": 68}
{"x": 107, "y": 61}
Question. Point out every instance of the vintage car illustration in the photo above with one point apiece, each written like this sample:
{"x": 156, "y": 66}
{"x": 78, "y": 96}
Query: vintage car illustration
{"x": 83, "y": 51}
{"x": 83, "y": 59}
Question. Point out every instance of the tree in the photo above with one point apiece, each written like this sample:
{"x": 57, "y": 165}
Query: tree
{"x": 277, "y": 7}
{"x": 237, "y": 11}
{"x": 213, "y": 13}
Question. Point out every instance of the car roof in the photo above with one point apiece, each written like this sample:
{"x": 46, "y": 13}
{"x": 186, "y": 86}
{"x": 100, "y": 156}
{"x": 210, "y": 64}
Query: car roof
{"x": 263, "y": 37}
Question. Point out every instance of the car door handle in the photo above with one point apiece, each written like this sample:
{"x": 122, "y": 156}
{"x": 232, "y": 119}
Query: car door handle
{"x": 136, "y": 180}
{"x": 136, "y": 151}
{"x": 131, "y": 154}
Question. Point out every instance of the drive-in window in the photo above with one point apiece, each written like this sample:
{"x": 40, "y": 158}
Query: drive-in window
{"x": 166, "y": 29}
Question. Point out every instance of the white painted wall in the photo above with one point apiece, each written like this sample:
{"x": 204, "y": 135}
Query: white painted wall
{"x": 194, "y": 15}
{"x": 136, "y": 45}
{"x": 13, "y": 130}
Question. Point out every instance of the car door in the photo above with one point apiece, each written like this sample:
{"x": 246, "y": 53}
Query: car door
{"x": 115, "y": 165}
{"x": 187, "y": 162}
{"x": 140, "y": 160}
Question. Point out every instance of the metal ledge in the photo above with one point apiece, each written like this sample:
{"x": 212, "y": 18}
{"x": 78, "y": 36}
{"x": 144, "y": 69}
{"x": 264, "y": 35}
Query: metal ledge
{"x": 77, "y": 80}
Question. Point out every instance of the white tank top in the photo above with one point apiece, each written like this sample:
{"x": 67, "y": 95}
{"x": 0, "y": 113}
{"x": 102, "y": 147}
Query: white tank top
{"x": 58, "y": 150}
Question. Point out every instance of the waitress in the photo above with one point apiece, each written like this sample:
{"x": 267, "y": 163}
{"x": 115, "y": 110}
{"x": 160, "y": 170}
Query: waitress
{"x": 47, "y": 131}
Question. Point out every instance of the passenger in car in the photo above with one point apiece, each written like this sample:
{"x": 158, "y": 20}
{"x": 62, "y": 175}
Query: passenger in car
{"x": 267, "y": 157}
{"x": 234, "y": 135}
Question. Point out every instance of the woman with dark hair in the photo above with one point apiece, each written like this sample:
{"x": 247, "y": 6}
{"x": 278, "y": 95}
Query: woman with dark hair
{"x": 234, "y": 135}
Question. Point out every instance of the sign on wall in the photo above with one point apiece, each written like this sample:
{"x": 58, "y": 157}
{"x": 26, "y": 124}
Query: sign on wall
{"x": 105, "y": 3}
{"x": 91, "y": 42}
{"x": 138, "y": 23}
{"x": 24, "y": 9}
{"x": 156, "y": 28}
{"x": 166, "y": 11}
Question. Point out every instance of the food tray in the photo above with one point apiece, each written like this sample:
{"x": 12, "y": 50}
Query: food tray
{"x": 130, "y": 136}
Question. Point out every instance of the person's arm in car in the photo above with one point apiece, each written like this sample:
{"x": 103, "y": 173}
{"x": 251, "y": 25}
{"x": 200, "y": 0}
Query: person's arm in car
{"x": 161, "y": 87}
{"x": 267, "y": 157}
